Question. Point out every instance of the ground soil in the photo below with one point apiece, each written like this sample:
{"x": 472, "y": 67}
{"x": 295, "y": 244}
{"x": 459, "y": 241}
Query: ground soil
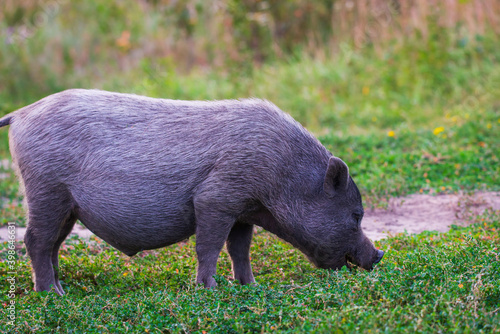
{"x": 418, "y": 213}
{"x": 411, "y": 214}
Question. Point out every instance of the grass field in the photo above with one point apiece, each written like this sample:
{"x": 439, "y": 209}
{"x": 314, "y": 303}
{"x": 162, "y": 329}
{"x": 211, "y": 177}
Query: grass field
{"x": 419, "y": 118}
{"x": 426, "y": 283}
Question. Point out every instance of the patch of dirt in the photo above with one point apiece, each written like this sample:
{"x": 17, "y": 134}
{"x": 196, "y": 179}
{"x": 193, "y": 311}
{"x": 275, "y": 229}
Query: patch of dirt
{"x": 413, "y": 214}
{"x": 418, "y": 213}
{"x": 78, "y": 230}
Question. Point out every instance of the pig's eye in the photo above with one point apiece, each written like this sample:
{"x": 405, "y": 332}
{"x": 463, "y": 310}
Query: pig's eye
{"x": 357, "y": 218}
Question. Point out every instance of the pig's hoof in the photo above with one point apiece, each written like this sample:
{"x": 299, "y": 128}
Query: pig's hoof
{"x": 59, "y": 291}
{"x": 58, "y": 288}
{"x": 49, "y": 288}
{"x": 208, "y": 282}
{"x": 253, "y": 283}
{"x": 246, "y": 281}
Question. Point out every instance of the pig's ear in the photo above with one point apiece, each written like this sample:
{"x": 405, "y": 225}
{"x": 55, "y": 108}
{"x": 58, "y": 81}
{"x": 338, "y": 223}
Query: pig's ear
{"x": 336, "y": 178}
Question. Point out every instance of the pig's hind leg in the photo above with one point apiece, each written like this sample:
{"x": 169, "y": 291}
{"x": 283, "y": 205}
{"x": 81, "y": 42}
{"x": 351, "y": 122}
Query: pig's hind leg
{"x": 238, "y": 246}
{"x": 63, "y": 233}
{"x": 49, "y": 222}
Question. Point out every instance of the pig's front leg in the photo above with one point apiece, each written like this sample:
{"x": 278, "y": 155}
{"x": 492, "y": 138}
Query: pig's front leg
{"x": 238, "y": 246}
{"x": 212, "y": 230}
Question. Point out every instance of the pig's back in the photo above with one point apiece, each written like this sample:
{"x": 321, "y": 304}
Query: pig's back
{"x": 96, "y": 132}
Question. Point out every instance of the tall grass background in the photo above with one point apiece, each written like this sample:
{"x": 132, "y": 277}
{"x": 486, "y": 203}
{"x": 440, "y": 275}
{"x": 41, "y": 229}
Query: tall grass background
{"x": 50, "y": 45}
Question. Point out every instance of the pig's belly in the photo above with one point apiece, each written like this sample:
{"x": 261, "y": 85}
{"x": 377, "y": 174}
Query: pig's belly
{"x": 137, "y": 219}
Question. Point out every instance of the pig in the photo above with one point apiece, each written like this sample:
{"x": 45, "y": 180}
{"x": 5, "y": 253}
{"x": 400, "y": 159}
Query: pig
{"x": 143, "y": 173}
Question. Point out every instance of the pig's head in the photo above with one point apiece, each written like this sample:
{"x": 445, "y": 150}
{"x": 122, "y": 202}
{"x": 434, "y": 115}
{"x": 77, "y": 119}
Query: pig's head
{"x": 339, "y": 239}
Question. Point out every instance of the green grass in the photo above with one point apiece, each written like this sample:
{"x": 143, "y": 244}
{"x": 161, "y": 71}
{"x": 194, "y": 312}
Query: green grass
{"x": 460, "y": 158}
{"x": 426, "y": 283}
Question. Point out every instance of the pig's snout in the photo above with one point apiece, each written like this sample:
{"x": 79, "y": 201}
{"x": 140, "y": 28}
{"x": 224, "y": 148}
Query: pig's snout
{"x": 380, "y": 255}
{"x": 366, "y": 255}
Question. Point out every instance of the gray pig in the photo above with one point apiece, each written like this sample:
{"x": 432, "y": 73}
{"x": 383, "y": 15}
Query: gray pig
{"x": 144, "y": 173}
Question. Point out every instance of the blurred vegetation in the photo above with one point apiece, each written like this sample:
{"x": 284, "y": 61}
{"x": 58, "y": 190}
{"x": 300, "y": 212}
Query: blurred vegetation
{"x": 50, "y": 45}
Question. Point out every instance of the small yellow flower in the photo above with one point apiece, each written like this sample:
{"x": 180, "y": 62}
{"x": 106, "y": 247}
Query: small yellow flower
{"x": 391, "y": 133}
{"x": 366, "y": 90}
{"x": 438, "y": 130}
{"x": 460, "y": 286}
{"x": 125, "y": 274}
{"x": 489, "y": 126}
